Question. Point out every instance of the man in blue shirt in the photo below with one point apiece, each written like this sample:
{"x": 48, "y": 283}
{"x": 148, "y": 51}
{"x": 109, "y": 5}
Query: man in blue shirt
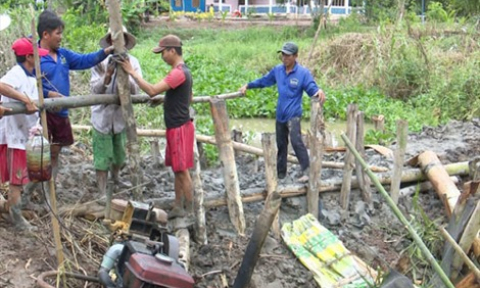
{"x": 291, "y": 79}
{"x": 56, "y": 82}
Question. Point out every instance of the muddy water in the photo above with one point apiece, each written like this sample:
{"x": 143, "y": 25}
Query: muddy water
{"x": 253, "y": 128}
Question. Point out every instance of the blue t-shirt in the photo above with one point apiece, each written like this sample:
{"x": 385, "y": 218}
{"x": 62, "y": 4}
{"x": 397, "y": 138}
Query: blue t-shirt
{"x": 290, "y": 89}
{"x": 56, "y": 74}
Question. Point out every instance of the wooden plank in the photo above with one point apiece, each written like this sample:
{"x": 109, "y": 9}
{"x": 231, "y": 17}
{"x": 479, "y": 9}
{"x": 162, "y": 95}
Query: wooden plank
{"x": 227, "y": 158}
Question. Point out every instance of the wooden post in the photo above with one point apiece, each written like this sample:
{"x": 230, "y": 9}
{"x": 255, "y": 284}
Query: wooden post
{"x": 200, "y": 225}
{"x": 155, "y": 150}
{"x": 316, "y": 139}
{"x": 349, "y": 159}
{"x": 252, "y": 253}
{"x": 402, "y": 135}
{"x": 237, "y": 136}
{"x": 363, "y": 181}
{"x": 268, "y": 144}
{"x": 123, "y": 90}
{"x": 51, "y": 183}
{"x": 227, "y": 157}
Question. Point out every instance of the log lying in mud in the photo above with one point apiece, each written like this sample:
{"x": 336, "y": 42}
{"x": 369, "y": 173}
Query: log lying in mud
{"x": 95, "y": 99}
{"x": 436, "y": 173}
{"x": 237, "y": 146}
{"x": 423, "y": 186}
{"x": 259, "y": 194}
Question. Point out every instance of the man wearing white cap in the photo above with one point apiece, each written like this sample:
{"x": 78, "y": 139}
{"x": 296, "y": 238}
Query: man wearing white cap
{"x": 109, "y": 136}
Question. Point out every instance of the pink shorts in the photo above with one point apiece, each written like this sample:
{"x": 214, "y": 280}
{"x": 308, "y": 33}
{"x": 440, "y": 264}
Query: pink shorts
{"x": 179, "y": 151}
{"x": 13, "y": 166}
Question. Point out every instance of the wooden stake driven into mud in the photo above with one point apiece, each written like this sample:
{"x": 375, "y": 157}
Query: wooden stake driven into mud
{"x": 123, "y": 90}
{"x": 402, "y": 134}
{"x": 316, "y": 139}
{"x": 51, "y": 182}
{"x": 200, "y": 225}
{"x": 349, "y": 159}
{"x": 218, "y": 108}
{"x": 268, "y": 144}
{"x": 363, "y": 180}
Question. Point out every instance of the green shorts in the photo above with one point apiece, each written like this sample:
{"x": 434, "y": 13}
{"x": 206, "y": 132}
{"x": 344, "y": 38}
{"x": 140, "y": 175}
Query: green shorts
{"x": 108, "y": 150}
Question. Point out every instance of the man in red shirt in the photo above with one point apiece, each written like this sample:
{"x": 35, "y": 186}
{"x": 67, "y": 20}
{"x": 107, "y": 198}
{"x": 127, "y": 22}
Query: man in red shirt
{"x": 177, "y": 86}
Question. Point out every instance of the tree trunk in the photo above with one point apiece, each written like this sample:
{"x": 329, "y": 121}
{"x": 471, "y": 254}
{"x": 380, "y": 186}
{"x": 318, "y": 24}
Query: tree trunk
{"x": 123, "y": 90}
{"x": 363, "y": 181}
{"x": 200, "y": 226}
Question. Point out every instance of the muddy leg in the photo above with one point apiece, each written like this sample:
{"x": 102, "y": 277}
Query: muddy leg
{"x": 181, "y": 179}
{"x": 14, "y": 208}
{"x": 102, "y": 177}
{"x": 116, "y": 178}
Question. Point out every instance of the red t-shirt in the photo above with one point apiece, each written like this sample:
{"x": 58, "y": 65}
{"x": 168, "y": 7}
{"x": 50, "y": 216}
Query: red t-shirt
{"x": 177, "y": 98}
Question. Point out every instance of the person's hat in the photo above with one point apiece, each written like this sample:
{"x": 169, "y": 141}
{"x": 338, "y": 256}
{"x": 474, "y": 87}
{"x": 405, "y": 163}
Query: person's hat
{"x": 289, "y": 48}
{"x": 166, "y": 42}
{"x": 106, "y": 41}
{"x": 24, "y": 46}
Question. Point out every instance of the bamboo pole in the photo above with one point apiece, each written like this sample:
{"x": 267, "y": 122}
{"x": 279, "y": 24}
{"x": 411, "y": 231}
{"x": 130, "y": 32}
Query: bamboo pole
{"x": 364, "y": 182}
{"x": 200, "y": 225}
{"x": 227, "y": 157}
{"x": 402, "y": 134}
{"x": 268, "y": 144}
{"x": 398, "y": 213}
{"x": 51, "y": 183}
{"x": 123, "y": 90}
{"x": 237, "y": 146}
{"x": 252, "y": 253}
{"x": 317, "y": 140}
{"x": 96, "y": 99}
{"x": 445, "y": 188}
{"x": 421, "y": 187}
{"x": 461, "y": 253}
{"x": 349, "y": 159}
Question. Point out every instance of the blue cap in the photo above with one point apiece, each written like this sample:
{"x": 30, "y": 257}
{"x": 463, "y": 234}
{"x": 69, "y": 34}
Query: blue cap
{"x": 289, "y": 48}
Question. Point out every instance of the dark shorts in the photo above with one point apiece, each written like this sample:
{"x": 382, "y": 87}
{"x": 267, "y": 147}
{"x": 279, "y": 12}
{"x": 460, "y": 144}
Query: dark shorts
{"x": 59, "y": 130}
{"x": 179, "y": 151}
